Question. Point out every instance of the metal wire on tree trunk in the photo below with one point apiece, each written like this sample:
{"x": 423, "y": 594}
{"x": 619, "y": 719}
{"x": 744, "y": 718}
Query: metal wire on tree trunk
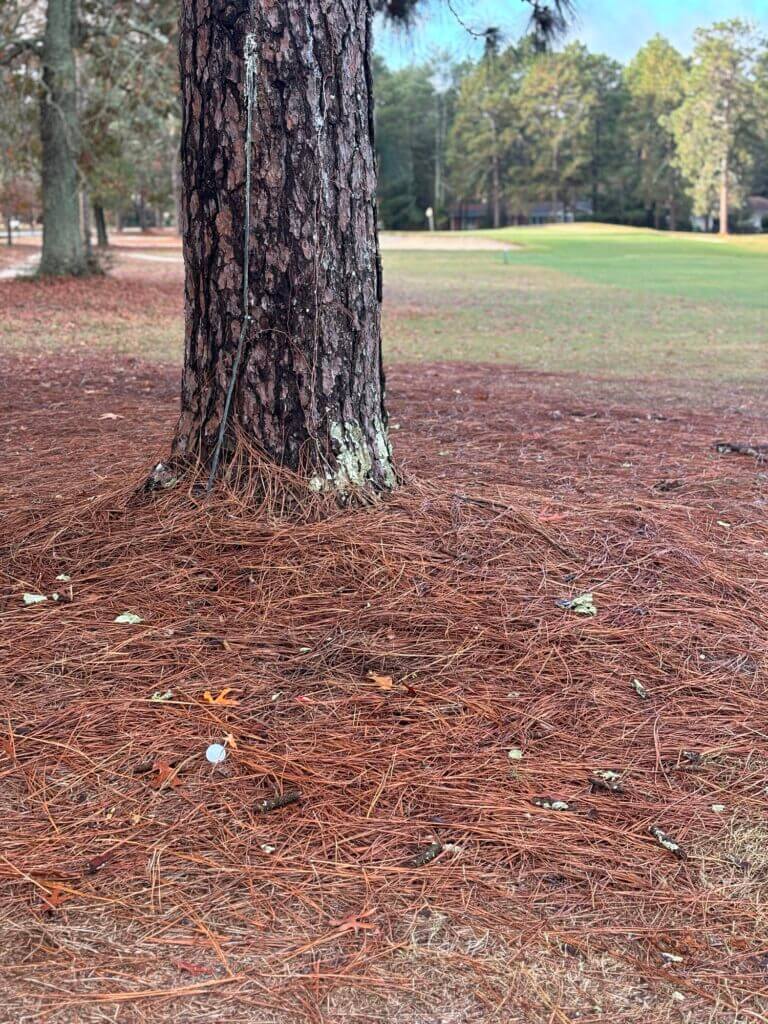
{"x": 251, "y": 70}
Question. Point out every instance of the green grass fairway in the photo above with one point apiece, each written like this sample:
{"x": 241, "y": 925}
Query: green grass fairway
{"x": 700, "y": 267}
{"x": 594, "y": 299}
{"x": 588, "y": 298}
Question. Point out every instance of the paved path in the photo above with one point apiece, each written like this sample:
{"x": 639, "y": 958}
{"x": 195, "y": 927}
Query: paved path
{"x": 440, "y": 241}
{"x": 402, "y": 241}
{"x": 149, "y": 256}
{"x": 391, "y": 241}
{"x": 27, "y": 266}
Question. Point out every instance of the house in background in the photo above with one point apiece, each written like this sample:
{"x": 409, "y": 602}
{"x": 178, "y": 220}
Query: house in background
{"x": 756, "y": 213}
{"x": 559, "y": 213}
{"x": 753, "y": 217}
{"x": 469, "y": 216}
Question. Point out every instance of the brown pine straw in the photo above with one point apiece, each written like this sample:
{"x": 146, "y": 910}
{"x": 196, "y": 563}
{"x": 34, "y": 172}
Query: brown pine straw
{"x": 126, "y": 887}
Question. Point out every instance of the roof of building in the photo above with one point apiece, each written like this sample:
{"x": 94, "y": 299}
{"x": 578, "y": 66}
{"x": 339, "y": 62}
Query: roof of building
{"x": 469, "y": 208}
{"x": 546, "y": 208}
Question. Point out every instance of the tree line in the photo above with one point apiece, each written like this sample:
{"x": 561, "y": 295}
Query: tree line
{"x": 520, "y": 134}
{"x": 515, "y": 136}
{"x": 89, "y": 119}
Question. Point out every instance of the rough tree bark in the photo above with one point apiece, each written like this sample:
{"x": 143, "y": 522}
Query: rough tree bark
{"x": 309, "y": 389}
{"x": 63, "y": 251}
{"x": 176, "y": 186}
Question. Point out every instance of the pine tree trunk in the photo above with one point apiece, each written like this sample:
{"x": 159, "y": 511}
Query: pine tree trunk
{"x": 85, "y": 205}
{"x": 495, "y": 173}
{"x": 102, "y": 236}
{"x": 141, "y": 212}
{"x": 309, "y": 388}
{"x": 496, "y": 193}
{"x": 672, "y": 222}
{"x": 63, "y": 251}
{"x": 724, "y": 198}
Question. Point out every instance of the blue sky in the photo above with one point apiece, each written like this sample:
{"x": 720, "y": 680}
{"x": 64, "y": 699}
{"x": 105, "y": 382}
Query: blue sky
{"x": 615, "y": 27}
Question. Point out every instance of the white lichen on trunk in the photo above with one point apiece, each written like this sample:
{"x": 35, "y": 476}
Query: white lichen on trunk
{"x": 353, "y": 459}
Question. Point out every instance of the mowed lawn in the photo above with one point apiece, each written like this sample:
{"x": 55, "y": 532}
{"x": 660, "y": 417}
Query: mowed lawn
{"x": 594, "y": 299}
{"x": 588, "y": 298}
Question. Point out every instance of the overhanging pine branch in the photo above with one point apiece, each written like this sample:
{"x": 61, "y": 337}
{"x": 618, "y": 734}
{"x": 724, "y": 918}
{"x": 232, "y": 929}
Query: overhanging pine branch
{"x": 548, "y": 21}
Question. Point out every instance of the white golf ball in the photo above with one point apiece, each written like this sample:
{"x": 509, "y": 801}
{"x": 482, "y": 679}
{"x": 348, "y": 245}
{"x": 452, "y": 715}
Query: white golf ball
{"x": 216, "y": 753}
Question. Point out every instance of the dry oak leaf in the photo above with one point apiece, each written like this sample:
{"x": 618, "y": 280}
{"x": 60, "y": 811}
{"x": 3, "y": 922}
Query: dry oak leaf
{"x": 195, "y": 969}
{"x": 165, "y": 775}
{"x": 222, "y": 699}
{"x": 354, "y": 922}
{"x": 56, "y": 896}
{"x": 383, "y": 682}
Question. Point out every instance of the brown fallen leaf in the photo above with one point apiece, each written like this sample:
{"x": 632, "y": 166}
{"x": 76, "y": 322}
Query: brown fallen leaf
{"x": 55, "y": 896}
{"x": 222, "y": 699}
{"x": 383, "y": 682}
{"x": 195, "y": 969}
{"x": 354, "y": 922}
{"x": 164, "y": 775}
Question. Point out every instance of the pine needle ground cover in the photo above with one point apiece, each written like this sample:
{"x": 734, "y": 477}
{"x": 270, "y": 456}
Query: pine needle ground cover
{"x": 494, "y": 749}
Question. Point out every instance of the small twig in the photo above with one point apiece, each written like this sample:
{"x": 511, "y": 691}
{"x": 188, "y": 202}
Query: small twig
{"x": 426, "y": 856}
{"x": 274, "y": 803}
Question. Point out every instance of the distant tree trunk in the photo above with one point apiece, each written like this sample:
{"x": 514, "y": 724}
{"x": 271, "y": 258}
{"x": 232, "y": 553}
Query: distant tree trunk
{"x": 495, "y": 172}
{"x": 63, "y": 251}
{"x": 141, "y": 212}
{"x": 8, "y": 230}
{"x": 672, "y": 218}
{"x": 102, "y": 237}
{"x": 496, "y": 194}
{"x": 309, "y": 388}
{"x": 555, "y": 180}
{"x": 85, "y": 205}
{"x": 596, "y": 168}
{"x": 724, "y": 197}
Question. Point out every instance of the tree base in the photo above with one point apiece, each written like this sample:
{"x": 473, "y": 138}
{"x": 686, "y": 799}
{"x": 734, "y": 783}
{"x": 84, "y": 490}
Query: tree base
{"x": 257, "y": 481}
{"x": 88, "y": 266}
